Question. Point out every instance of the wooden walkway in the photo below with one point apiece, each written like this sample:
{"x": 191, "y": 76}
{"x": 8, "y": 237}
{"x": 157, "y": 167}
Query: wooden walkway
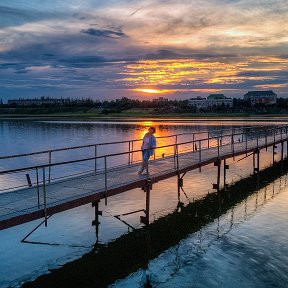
{"x": 21, "y": 206}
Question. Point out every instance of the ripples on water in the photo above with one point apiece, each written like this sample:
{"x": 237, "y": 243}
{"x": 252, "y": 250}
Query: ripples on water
{"x": 246, "y": 247}
{"x": 250, "y": 247}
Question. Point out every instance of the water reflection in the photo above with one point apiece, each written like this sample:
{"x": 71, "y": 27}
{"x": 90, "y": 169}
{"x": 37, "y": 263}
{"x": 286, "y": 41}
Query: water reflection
{"x": 133, "y": 251}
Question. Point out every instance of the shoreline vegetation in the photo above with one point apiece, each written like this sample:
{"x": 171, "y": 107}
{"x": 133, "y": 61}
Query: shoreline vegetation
{"x": 137, "y": 114}
{"x": 126, "y": 108}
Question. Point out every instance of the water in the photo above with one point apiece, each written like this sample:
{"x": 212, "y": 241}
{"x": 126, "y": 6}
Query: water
{"x": 246, "y": 247}
{"x": 74, "y": 235}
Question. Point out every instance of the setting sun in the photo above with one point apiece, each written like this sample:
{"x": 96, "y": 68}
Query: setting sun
{"x": 151, "y": 91}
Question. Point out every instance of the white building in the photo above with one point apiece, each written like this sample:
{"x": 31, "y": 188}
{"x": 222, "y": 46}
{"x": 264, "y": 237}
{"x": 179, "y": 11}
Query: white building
{"x": 38, "y": 101}
{"x": 211, "y": 101}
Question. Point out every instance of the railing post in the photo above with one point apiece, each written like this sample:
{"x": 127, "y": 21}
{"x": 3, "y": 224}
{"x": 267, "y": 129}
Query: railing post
{"x": 106, "y": 186}
{"x": 175, "y": 144}
{"x": 257, "y": 141}
{"x": 193, "y": 141}
{"x": 176, "y": 152}
{"x": 50, "y": 161}
{"x": 200, "y": 156}
{"x": 246, "y": 143}
{"x": 218, "y": 174}
{"x": 38, "y": 192}
{"x": 44, "y": 196}
{"x": 177, "y": 158}
{"x": 208, "y": 140}
{"x": 132, "y": 146}
{"x": 129, "y": 149}
{"x": 95, "y": 161}
{"x": 218, "y": 147}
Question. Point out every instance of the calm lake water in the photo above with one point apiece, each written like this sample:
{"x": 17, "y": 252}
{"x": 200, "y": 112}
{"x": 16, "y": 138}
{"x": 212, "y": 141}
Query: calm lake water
{"x": 245, "y": 247}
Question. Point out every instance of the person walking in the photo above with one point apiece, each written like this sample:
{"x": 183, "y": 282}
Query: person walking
{"x": 148, "y": 146}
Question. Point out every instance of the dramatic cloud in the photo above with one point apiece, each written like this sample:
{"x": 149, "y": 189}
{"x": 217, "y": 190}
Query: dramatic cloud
{"x": 135, "y": 48}
{"x": 103, "y": 33}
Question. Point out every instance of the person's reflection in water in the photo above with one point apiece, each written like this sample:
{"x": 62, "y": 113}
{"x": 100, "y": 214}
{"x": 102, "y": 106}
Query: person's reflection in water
{"x": 148, "y": 146}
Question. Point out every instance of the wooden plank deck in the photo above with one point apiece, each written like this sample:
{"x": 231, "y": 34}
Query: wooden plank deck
{"x": 21, "y": 206}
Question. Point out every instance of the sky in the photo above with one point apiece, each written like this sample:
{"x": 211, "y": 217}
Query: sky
{"x": 146, "y": 49}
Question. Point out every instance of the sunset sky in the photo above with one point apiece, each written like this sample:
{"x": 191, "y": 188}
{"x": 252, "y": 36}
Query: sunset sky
{"x": 110, "y": 49}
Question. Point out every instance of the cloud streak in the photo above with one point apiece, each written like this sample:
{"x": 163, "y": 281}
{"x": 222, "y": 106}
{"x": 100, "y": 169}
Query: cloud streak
{"x": 103, "y": 33}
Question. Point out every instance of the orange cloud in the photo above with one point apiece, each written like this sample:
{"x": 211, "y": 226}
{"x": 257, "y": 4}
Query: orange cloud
{"x": 165, "y": 76}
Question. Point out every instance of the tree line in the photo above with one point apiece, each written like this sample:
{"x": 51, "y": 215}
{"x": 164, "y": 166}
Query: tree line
{"x": 170, "y": 106}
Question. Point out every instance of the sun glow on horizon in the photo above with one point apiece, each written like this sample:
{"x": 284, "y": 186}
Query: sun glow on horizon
{"x": 151, "y": 91}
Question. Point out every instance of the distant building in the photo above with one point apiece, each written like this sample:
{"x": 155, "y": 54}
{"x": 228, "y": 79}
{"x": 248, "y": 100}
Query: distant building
{"x": 263, "y": 97}
{"x": 160, "y": 100}
{"x": 38, "y": 101}
{"x": 210, "y": 101}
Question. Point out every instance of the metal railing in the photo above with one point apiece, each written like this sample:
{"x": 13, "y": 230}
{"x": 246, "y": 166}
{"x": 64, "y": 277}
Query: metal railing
{"x": 197, "y": 147}
{"x": 130, "y": 147}
{"x": 248, "y": 135}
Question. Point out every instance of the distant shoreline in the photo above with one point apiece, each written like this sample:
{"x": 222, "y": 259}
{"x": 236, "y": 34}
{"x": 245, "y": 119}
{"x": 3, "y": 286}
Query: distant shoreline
{"x": 185, "y": 117}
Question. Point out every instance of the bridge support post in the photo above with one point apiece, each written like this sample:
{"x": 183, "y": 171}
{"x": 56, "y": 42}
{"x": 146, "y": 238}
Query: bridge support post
{"x": 180, "y": 183}
{"x": 256, "y": 168}
{"x": 258, "y": 161}
{"x": 256, "y": 164}
{"x": 146, "y": 219}
{"x": 218, "y": 164}
{"x": 218, "y": 174}
{"x": 96, "y": 222}
{"x": 226, "y": 167}
{"x": 274, "y": 153}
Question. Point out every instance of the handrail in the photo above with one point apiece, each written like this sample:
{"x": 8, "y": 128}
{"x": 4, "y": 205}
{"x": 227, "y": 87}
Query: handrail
{"x": 126, "y": 152}
{"x": 108, "y": 143}
{"x": 106, "y": 169}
